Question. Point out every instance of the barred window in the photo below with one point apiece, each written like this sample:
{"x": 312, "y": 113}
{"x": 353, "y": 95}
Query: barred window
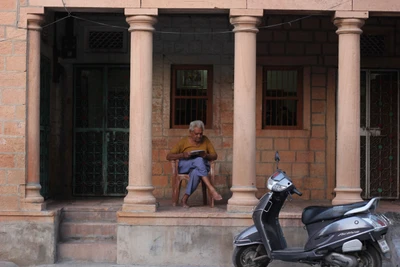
{"x": 191, "y": 95}
{"x": 106, "y": 40}
{"x": 100, "y": 39}
{"x": 282, "y": 98}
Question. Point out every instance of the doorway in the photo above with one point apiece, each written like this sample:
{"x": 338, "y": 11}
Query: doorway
{"x": 380, "y": 133}
{"x": 101, "y": 130}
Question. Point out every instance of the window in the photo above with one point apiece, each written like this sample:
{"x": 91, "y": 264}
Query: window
{"x": 282, "y": 98}
{"x": 99, "y": 39}
{"x": 191, "y": 95}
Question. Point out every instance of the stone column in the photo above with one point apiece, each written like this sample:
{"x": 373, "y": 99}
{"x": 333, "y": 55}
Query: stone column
{"x": 244, "y": 119}
{"x": 140, "y": 196}
{"x": 348, "y": 107}
{"x": 33, "y": 199}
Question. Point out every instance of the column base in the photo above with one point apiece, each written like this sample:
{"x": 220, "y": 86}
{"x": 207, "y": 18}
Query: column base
{"x": 347, "y": 195}
{"x": 32, "y": 194}
{"x": 242, "y": 200}
{"x": 139, "y": 199}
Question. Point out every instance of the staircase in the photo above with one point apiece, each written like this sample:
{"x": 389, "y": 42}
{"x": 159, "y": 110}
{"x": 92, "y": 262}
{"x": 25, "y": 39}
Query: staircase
{"x": 88, "y": 233}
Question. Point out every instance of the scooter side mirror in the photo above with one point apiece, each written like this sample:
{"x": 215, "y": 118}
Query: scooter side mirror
{"x": 277, "y": 159}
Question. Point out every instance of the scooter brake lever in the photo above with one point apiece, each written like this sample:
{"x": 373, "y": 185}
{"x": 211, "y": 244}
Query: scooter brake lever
{"x": 290, "y": 198}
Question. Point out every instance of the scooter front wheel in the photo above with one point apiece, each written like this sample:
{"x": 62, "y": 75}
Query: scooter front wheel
{"x": 250, "y": 256}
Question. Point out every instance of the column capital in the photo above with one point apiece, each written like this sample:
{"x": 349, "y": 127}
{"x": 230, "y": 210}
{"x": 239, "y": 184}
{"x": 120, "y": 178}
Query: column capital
{"x": 349, "y": 25}
{"x": 34, "y": 21}
{"x": 141, "y": 22}
{"x": 245, "y": 23}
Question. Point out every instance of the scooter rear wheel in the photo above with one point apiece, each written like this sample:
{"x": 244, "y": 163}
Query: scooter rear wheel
{"x": 244, "y": 256}
{"x": 370, "y": 257}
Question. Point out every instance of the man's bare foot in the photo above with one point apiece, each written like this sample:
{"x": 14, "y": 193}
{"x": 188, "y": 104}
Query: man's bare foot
{"x": 185, "y": 205}
{"x": 184, "y": 201}
{"x": 216, "y": 196}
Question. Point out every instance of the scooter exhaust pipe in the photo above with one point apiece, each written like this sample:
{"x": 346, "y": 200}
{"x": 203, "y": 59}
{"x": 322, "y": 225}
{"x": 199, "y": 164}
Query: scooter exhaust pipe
{"x": 341, "y": 260}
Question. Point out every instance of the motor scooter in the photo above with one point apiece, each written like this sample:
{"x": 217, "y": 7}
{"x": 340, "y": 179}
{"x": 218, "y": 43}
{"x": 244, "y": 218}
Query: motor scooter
{"x": 344, "y": 235}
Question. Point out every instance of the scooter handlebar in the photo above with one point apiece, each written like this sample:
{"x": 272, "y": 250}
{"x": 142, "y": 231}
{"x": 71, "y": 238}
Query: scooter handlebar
{"x": 297, "y": 192}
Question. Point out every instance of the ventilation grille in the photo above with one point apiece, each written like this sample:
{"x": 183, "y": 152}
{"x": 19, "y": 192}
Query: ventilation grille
{"x": 106, "y": 40}
{"x": 373, "y": 45}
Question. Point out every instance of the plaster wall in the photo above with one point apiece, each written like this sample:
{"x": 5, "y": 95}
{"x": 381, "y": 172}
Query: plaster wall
{"x": 184, "y": 245}
{"x": 26, "y": 243}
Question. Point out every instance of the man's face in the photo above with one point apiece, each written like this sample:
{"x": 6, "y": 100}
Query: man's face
{"x": 197, "y": 134}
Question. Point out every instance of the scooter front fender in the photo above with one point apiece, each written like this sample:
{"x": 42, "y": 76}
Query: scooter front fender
{"x": 249, "y": 236}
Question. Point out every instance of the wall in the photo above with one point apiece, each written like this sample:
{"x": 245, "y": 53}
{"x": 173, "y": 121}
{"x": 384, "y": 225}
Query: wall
{"x": 30, "y": 238}
{"x": 204, "y": 48}
{"x": 188, "y": 245}
{"x": 305, "y": 43}
{"x": 12, "y": 106}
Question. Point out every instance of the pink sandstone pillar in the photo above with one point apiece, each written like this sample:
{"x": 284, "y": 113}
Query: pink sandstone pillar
{"x": 33, "y": 199}
{"x": 244, "y": 120}
{"x": 140, "y": 196}
{"x": 348, "y": 107}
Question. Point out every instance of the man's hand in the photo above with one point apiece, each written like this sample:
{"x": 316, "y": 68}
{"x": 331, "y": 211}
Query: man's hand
{"x": 203, "y": 154}
{"x": 186, "y": 155}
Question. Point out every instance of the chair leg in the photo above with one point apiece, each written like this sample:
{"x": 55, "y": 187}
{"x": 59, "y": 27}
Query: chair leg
{"x": 175, "y": 192}
{"x": 211, "y": 199}
{"x": 204, "y": 189}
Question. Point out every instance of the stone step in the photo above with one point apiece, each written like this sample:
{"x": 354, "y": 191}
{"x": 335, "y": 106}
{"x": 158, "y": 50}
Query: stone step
{"x": 88, "y": 231}
{"x": 92, "y": 214}
{"x": 105, "y": 251}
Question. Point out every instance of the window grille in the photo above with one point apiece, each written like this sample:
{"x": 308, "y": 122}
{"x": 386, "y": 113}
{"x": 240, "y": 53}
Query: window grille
{"x": 282, "y": 98}
{"x": 106, "y": 40}
{"x": 373, "y": 45}
{"x": 191, "y": 95}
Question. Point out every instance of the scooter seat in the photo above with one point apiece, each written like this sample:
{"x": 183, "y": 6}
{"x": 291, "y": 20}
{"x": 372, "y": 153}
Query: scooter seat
{"x": 321, "y": 213}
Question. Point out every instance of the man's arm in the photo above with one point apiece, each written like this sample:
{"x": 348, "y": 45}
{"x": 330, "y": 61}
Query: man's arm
{"x": 212, "y": 154}
{"x": 175, "y": 156}
{"x": 176, "y": 152}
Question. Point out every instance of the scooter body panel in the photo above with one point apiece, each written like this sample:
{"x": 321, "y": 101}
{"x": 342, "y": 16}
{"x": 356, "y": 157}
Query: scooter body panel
{"x": 247, "y": 237}
{"x": 338, "y": 232}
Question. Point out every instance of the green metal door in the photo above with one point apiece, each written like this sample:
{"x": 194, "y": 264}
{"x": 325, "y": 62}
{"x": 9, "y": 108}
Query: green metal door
{"x": 101, "y": 130}
{"x": 380, "y": 133}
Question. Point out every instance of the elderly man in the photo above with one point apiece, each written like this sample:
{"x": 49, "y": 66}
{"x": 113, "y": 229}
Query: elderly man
{"x": 193, "y": 153}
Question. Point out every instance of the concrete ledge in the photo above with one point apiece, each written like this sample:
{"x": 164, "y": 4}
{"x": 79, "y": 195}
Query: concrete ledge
{"x": 200, "y": 215}
{"x": 31, "y": 216}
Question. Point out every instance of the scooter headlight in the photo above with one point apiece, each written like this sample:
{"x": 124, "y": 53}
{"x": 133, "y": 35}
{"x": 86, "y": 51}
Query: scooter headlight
{"x": 270, "y": 183}
{"x": 278, "y": 187}
{"x": 275, "y": 185}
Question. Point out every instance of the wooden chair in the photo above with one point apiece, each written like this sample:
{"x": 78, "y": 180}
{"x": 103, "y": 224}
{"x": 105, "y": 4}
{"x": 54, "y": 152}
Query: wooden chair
{"x": 177, "y": 179}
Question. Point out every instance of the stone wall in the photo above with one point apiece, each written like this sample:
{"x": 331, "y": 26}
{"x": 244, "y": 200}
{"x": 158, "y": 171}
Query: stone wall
{"x": 12, "y": 106}
{"x": 303, "y": 152}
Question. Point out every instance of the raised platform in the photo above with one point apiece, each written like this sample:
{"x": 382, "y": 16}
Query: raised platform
{"x": 200, "y": 235}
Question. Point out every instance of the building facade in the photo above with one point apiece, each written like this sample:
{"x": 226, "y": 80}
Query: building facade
{"x": 93, "y": 95}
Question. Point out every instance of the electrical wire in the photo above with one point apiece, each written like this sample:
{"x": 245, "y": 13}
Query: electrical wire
{"x": 164, "y": 32}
